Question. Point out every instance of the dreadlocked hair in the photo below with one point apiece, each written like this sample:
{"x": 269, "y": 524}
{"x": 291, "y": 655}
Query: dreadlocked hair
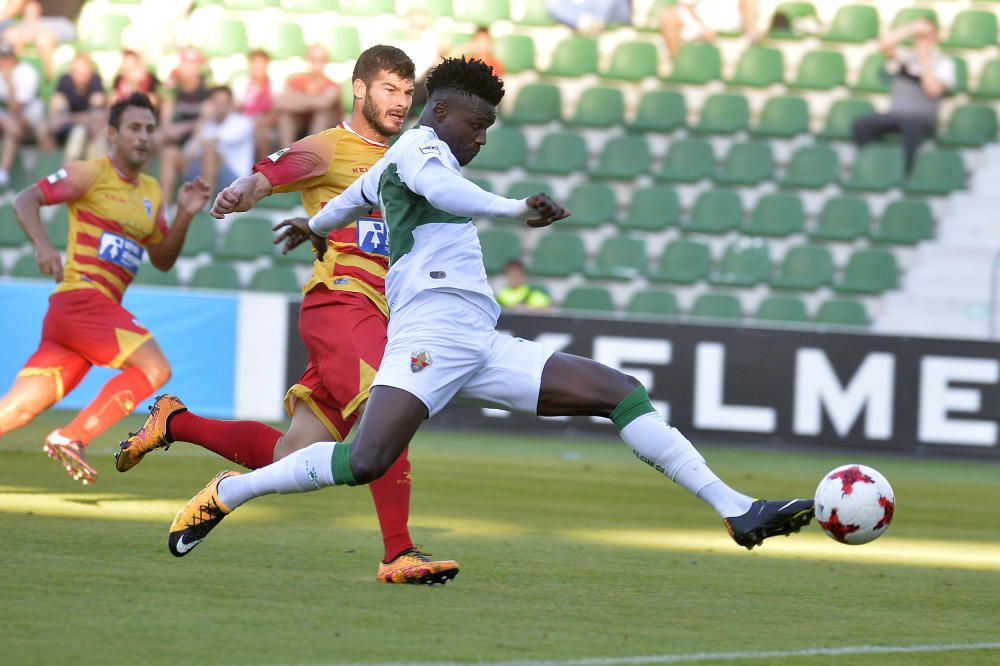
{"x": 472, "y": 76}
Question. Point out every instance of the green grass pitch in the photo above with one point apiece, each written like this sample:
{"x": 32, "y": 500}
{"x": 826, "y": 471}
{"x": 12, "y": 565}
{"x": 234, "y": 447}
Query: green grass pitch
{"x": 570, "y": 549}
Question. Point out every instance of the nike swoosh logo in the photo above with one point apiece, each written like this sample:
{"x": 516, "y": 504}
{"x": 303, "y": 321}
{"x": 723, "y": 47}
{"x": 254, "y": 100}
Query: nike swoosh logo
{"x": 182, "y": 547}
{"x": 781, "y": 509}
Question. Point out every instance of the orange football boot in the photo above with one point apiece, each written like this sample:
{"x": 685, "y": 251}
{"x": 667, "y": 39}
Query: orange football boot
{"x": 152, "y": 435}
{"x": 414, "y": 567}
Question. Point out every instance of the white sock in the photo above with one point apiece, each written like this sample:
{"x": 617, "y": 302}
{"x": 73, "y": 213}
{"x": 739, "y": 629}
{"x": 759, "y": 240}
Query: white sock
{"x": 301, "y": 472}
{"x": 666, "y": 450}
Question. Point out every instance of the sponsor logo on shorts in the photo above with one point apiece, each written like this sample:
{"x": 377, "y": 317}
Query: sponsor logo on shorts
{"x": 373, "y": 236}
{"x": 275, "y": 156}
{"x": 120, "y": 251}
{"x": 419, "y": 360}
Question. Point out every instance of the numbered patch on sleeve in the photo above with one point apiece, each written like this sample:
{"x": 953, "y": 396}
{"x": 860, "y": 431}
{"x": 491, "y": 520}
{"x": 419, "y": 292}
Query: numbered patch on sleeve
{"x": 120, "y": 251}
{"x": 57, "y": 176}
{"x": 373, "y": 235}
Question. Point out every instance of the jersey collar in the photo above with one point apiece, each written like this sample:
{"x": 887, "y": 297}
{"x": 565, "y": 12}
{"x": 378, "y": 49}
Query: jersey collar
{"x": 343, "y": 123}
{"x": 131, "y": 181}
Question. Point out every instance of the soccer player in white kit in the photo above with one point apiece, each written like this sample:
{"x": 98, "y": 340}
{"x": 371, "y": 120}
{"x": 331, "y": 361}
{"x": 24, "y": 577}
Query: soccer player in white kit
{"x": 442, "y": 338}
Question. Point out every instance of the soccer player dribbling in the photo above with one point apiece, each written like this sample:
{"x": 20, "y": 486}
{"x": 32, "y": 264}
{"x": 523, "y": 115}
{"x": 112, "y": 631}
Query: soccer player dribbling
{"x": 346, "y": 294}
{"x": 442, "y": 340}
{"x": 115, "y": 216}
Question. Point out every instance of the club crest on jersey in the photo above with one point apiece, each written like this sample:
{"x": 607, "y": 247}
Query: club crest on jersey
{"x": 57, "y": 176}
{"x": 275, "y": 156}
{"x": 148, "y": 205}
{"x": 373, "y": 235}
{"x": 419, "y": 360}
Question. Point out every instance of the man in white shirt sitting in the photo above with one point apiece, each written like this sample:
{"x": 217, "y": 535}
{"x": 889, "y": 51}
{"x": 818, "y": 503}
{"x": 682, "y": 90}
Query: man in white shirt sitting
{"x": 222, "y": 147}
{"x": 21, "y": 111}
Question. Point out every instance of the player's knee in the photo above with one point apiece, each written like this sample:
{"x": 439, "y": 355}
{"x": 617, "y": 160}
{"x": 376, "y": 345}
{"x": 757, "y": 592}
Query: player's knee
{"x": 158, "y": 374}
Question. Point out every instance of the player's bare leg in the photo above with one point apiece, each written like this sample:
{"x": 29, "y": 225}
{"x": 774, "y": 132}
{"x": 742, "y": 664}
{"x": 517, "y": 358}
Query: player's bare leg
{"x": 28, "y": 397}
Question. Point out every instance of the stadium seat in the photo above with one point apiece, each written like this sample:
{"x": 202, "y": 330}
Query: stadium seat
{"x": 841, "y": 117}
{"x": 483, "y": 12}
{"x": 215, "y": 276}
{"x": 599, "y": 107}
{"x": 103, "y": 32}
{"x": 973, "y": 125}
{"x": 592, "y": 204}
{"x": 820, "y": 70}
{"x": 300, "y": 256}
{"x": 651, "y": 209}
{"x": 653, "y": 303}
{"x": 805, "y": 268}
{"x": 908, "y": 15}
{"x": 505, "y": 149}
{"x": 843, "y": 218}
{"x": 558, "y": 254}
{"x": 812, "y": 167}
{"x": 623, "y": 158}
{"x": 58, "y": 228}
{"x": 344, "y": 45}
{"x": 785, "y": 309}
{"x": 696, "y": 63}
{"x": 308, "y": 6}
{"x": 152, "y": 276}
{"x": 961, "y": 76}
{"x": 522, "y": 189}
{"x": 620, "y": 258}
{"x": 283, "y": 201}
{"x": 776, "y": 215}
{"x": 749, "y": 163}
{"x": 11, "y": 234}
{"x": 724, "y": 113}
{"x": 905, "y": 222}
{"x": 285, "y": 41}
{"x": 687, "y": 161}
{"x": 853, "y": 24}
{"x": 589, "y": 299}
{"x": 869, "y": 272}
{"x": 744, "y": 264}
{"x": 937, "y": 171}
{"x": 499, "y": 247}
{"x": 222, "y": 38}
{"x": 717, "y": 306}
{"x": 972, "y": 29}
{"x": 516, "y": 52}
{"x": 247, "y": 238}
{"x": 872, "y": 77}
{"x": 877, "y": 168}
{"x": 27, "y": 267}
{"x": 715, "y": 212}
{"x": 200, "y": 236}
{"x": 367, "y": 7}
{"x": 535, "y": 14}
{"x": 794, "y": 11}
{"x": 280, "y": 279}
{"x": 842, "y": 312}
{"x": 782, "y": 117}
{"x": 574, "y": 56}
{"x": 250, "y": 5}
{"x": 537, "y": 103}
{"x": 632, "y": 61}
{"x": 988, "y": 86}
{"x": 684, "y": 261}
{"x": 559, "y": 153}
{"x": 659, "y": 111}
{"x": 758, "y": 67}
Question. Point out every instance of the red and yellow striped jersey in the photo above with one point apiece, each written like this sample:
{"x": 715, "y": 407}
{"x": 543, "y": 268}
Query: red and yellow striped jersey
{"x": 320, "y": 167}
{"x": 111, "y": 221}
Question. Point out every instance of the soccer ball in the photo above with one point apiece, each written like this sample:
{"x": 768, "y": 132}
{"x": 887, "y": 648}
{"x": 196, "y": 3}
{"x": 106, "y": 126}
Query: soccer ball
{"x": 854, "y": 504}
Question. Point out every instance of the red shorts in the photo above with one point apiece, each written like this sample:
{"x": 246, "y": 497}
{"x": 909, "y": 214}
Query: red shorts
{"x": 345, "y": 336}
{"x": 82, "y": 328}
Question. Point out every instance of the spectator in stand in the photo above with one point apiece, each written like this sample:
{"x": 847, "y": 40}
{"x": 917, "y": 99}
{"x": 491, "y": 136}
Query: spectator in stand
{"x": 310, "y": 102}
{"x": 44, "y": 32}
{"x": 480, "y": 46}
{"x": 78, "y": 110}
{"x": 689, "y": 20}
{"x": 254, "y": 99}
{"x": 134, "y": 76}
{"x": 183, "y": 97}
{"x": 22, "y": 113}
{"x": 221, "y": 148}
{"x": 921, "y": 77}
{"x": 590, "y": 16}
{"x": 517, "y": 294}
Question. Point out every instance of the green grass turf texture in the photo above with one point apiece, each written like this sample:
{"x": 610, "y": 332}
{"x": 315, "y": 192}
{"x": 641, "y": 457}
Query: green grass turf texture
{"x": 542, "y": 529}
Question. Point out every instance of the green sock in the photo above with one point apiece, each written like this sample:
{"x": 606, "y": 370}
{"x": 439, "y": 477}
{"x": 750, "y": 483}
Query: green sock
{"x": 632, "y": 406}
{"x": 340, "y": 462}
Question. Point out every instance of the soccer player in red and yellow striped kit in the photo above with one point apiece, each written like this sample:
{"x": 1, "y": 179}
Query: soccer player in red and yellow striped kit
{"x": 346, "y": 294}
{"x": 115, "y": 215}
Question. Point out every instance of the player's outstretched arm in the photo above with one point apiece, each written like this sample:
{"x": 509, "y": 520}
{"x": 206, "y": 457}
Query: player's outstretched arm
{"x": 27, "y": 210}
{"x": 191, "y": 198}
{"x": 242, "y": 195}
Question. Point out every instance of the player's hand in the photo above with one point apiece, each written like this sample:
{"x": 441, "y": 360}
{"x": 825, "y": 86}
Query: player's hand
{"x": 49, "y": 262}
{"x": 193, "y": 196}
{"x": 548, "y": 211}
{"x": 294, "y": 232}
{"x": 226, "y": 201}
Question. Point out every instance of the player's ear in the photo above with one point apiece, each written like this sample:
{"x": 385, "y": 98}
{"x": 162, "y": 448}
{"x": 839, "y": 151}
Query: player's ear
{"x": 360, "y": 89}
{"x": 440, "y": 110}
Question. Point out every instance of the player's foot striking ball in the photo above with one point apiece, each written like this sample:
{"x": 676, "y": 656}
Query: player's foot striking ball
{"x": 416, "y": 568}
{"x": 202, "y": 512}
{"x": 152, "y": 435}
{"x": 769, "y": 518}
{"x": 72, "y": 455}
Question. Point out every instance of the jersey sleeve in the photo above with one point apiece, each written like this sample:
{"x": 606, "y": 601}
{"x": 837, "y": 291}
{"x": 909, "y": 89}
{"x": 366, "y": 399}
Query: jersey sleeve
{"x": 417, "y": 156}
{"x": 290, "y": 169}
{"x": 69, "y": 183}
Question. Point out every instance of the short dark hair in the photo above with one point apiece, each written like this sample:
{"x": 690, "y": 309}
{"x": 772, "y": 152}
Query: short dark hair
{"x": 258, "y": 53}
{"x": 221, "y": 89}
{"x": 136, "y": 99}
{"x": 513, "y": 263}
{"x": 383, "y": 58}
{"x": 472, "y": 76}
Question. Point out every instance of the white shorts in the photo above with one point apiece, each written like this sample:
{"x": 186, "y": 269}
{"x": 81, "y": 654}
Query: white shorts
{"x": 443, "y": 347}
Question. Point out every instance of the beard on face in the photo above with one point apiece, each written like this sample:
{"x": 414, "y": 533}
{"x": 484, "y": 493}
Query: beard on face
{"x": 371, "y": 114}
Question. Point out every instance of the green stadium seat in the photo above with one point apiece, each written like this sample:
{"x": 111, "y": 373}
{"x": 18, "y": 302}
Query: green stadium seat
{"x": 516, "y": 52}
{"x": 623, "y": 158}
{"x": 988, "y": 86}
{"x": 842, "y": 312}
{"x": 696, "y": 63}
{"x": 505, "y": 149}
{"x": 344, "y": 46}
{"x": 250, "y": 5}
{"x": 715, "y": 212}
{"x": 937, "y": 171}
{"x": 805, "y": 268}
{"x": 783, "y": 309}
{"x": 301, "y": 255}
{"x": 776, "y": 215}
{"x": 436, "y": 8}
{"x": 280, "y": 279}
{"x": 632, "y": 61}
{"x": 853, "y": 24}
{"x": 794, "y": 11}
{"x": 717, "y": 306}
{"x": 215, "y": 276}
{"x": 367, "y": 7}
{"x": 877, "y": 168}
{"x": 724, "y": 113}
{"x": 592, "y": 204}
{"x": 653, "y": 303}
{"x": 908, "y": 15}
{"x": 283, "y": 201}
{"x": 599, "y": 107}
{"x": 11, "y": 234}
{"x": 821, "y": 70}
{"x": 499, "y": 247}
{"x": 758, "y": 67}
{"x": 973, "y": 125}
{"x": 683, "y": 261}
{"x": 558, "y": 254}
{"x": 782, "y": 117}
{"x": 309, "y": 6}
{"x": 26, "y": 267}
{"x": 589, "y": 299}
{"x": 103, "y": 32}
{"x": 285, "y": 41}
{"x": 841, "y": 117}
{"x": 844, "y": 219}
{"x": 49, "y": 162}
{"x": 559, "y": 153}
{"x": 483, "y": 12}
{"x": 659, "y": 111}
{"x": 652, "y": 209}
{"x": 522, "y": 189}
{"x": 872, "y": 77}
{"x": 905, "y": 222}
{"x": 535, "y": 14}
{"x": 247, "y": 238}
{"x": 58, "y": 228}
{"x": 812, "y": 167}
{"x": 869, "y": 272}
{"x": 687, "y": 161}
{"x": 222, "y": 38}
{"x": 200, "y": 236}
{"x": 482, "y": 183}
{"x": 972, "y": 29}
{"x": 537, "y": 103}
{"x": 151, "y": 276}
{"x": 744, "y": 264}
{"x": 574, "y": 56}
{"x": 961, "y": 76}
{"x": 749, "y": 163}
{"x": 620, "y": 258}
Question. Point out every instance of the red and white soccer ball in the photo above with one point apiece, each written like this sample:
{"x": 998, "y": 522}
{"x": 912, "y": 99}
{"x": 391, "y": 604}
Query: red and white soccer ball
{"x": 854, "y": 504}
